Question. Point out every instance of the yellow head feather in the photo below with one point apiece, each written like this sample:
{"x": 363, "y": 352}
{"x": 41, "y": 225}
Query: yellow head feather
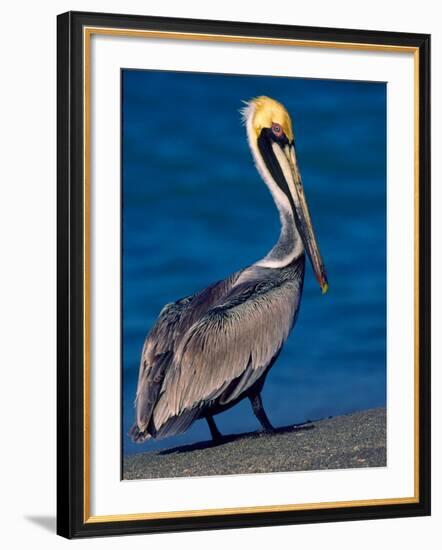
{"x": 268, "y": 111}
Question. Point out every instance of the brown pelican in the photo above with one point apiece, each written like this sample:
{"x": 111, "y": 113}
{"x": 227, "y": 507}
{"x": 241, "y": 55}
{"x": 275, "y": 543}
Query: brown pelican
{"x": 210, "y": 350}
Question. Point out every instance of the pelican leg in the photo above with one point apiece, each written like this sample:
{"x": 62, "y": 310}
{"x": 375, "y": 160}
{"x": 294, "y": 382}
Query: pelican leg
{"x": 214, "y": 432}
{"x": 260, "y": 413}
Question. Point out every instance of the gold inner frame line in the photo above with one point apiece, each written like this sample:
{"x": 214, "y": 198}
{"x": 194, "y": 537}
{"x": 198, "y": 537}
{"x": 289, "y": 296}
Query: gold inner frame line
{"x": 87, "y": 34}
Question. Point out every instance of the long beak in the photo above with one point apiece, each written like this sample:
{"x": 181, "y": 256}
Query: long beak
{"x": 304, "y": 222}
{"x": 281, "y": 165}
{"x": 288, "y": 177}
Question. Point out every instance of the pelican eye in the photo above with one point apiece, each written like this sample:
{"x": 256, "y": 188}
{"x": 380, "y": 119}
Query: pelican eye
{"x": 277, "y": 130}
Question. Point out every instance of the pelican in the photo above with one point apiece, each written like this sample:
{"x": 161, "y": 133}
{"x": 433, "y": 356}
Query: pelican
{"x": 210, "y": 350}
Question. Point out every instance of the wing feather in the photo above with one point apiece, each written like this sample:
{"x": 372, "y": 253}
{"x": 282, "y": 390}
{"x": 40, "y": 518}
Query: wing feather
{"x": 161, "y": 343}
{"x": 235, "y": 340}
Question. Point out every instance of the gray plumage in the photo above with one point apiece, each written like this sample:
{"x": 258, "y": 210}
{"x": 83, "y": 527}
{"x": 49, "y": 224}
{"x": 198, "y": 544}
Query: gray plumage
{"x": 208, "y": 350}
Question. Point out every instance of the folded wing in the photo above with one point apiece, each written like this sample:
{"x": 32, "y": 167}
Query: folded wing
{"x": 225, "y": 352}
{"x": 160, "y": 346}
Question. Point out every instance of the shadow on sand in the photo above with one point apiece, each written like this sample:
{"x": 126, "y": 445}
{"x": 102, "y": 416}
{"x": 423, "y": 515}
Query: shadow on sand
{"x": 235, "y": 437}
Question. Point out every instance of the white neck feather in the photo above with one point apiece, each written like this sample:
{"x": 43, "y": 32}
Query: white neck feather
{"x": 289, "y": 245}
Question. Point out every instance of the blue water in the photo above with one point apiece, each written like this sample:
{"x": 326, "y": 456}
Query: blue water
{"x": 195, "y": 210}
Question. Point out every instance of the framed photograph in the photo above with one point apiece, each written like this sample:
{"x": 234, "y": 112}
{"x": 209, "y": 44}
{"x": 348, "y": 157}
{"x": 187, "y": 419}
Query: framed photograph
{"x": 213, "y": 176}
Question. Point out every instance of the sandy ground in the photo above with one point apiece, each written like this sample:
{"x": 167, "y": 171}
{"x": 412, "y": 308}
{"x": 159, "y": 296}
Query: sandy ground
{"x": 356, "y": 440}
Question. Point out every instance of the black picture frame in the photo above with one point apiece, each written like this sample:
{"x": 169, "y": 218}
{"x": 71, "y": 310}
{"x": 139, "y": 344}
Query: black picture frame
{"x": 72, "y": 521}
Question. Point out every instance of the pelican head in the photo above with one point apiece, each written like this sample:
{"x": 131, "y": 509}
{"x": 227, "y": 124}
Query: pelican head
{"x": 272, "y": 142}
